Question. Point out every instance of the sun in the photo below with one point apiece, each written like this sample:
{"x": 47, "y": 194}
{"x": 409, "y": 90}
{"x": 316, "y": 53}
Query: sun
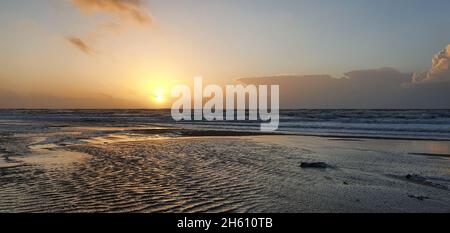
{"x": 156, "y": 91}
{"x": 159, "y": 99}
{"x": 159, "y": 95}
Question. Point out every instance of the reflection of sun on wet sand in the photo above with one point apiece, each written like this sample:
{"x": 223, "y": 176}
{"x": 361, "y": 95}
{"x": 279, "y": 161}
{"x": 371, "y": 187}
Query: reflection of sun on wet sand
{"x": 159, "y": 170}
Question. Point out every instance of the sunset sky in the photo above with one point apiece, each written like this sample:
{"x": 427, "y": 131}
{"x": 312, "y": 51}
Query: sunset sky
{"x": 128, "y": 53}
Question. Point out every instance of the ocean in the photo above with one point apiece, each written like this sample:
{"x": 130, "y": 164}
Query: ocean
{"x": 401, "y": 124}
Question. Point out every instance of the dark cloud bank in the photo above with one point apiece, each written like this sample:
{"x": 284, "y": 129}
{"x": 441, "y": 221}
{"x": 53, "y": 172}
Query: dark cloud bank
{"x": 376, "y": 88}
{"x": 11, "y": 99}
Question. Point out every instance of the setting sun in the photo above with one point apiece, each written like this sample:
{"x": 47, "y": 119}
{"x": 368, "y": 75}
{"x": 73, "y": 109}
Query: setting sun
{"x": 159, "y": 99}
{"x": 156, "y": 90}
{"x": 159, "y": 95}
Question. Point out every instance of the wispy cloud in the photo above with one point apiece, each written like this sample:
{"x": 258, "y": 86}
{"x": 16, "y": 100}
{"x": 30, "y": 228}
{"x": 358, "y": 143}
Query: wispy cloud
{"x": 133, "y": 10}
{"x": 80, "y": 45}
{"x": 125, "y": 12}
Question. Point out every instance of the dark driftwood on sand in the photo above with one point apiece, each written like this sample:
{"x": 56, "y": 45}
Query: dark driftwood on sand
{"x": 321, "y": 165}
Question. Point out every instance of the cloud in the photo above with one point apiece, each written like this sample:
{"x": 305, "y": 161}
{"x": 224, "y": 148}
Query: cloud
{"x": 89, "y": 100}
{"x": 372, "y": 88}
{"x": 440, "y": 69}
{"x": 126, "y": 11}
{"x": 80, "y": 45}
{"x": 367, "y": 89}
{"x": 383, "y": 75}
{"x": 133, "y": 10}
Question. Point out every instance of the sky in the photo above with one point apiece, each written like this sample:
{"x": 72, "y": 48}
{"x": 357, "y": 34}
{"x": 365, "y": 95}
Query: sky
{"x": 128, "y": 53}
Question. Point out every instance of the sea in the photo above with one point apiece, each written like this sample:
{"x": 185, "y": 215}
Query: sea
{"x": 378, "y": 123}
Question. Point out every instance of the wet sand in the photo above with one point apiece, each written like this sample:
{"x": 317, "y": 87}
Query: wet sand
{"x": 159, "y": 170}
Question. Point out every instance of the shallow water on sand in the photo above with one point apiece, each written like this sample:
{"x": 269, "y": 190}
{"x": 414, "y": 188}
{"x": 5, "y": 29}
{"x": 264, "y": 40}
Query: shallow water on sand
{"x": 91, "y": 169}
{"x": 180, "y": 175}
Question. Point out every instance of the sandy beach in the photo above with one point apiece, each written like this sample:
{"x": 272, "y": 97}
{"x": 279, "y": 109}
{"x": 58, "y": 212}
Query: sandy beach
{"x": 158, "y": 169}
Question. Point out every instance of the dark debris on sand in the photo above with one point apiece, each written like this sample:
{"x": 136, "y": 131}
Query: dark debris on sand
{"x": 420, "y": 198}
{"x": 319, "y": 165}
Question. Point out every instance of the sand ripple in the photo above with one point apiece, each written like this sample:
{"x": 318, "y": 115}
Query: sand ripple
{"x": 173, "y": 175}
